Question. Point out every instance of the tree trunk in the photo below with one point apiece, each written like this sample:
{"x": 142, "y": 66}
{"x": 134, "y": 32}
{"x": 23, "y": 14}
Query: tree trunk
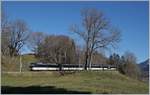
{"x": 86, "y": 62}
{"x": 90, "y": 60}
{"x": 60, "y": 66}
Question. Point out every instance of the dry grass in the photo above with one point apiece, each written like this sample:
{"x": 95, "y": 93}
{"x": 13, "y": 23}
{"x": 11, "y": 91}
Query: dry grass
{"x": 80, "y": 82}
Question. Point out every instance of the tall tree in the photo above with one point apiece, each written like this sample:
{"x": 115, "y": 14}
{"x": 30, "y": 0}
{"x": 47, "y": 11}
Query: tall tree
{"x": 18, "y": 36}
{"x": 57, "y": 49}
{"x": 14, "y": 35}
{"x": 96, "y": 32}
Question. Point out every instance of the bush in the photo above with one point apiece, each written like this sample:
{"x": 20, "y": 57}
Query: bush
{"x": 131, "y": 70}
{"x": 9, "y": 63}
{"x": 126, "y": 64}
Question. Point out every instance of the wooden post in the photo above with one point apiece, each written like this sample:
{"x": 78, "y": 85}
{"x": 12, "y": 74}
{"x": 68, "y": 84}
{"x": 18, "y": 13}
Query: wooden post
{"x": 90, "y": 62}
{"x": 20, "y": 63}
{"x": 65, "y": 57}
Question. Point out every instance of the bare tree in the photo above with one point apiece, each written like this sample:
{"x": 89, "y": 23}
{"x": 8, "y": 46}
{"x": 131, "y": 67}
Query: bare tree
{"x": 14, "y": 34}
{"x": 18, "y": 36}
{"x": 57, "y": 49}
{"x": 5, "y": 34}
{"x": 130, "y": 66}
{"x": 98, "y": 58}
{"x": 79, "y": 55}
{"x": 96, "y": 33}
{"x": 35, "y": 40}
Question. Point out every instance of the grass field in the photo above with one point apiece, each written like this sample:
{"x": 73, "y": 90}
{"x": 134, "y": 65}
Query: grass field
{"x": 78, "y": 82}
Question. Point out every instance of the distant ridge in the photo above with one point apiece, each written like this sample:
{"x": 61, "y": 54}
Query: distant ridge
{"x": 144, "y": 67}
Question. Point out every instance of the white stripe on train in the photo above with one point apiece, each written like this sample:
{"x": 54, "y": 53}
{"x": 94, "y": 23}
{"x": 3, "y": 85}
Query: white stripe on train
{"x": 48, "y": 68}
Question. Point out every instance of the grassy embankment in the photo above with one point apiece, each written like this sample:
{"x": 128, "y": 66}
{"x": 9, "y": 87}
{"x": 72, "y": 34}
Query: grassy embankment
{"x": 79, "y": 82}
{"x": 53, "y": 82}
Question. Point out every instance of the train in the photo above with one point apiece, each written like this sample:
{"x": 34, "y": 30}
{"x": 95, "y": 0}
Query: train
{"x": 68, "y": 67}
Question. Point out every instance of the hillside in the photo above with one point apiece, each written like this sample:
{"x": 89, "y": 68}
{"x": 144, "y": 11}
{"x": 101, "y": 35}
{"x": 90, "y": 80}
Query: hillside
{"x": 78, "y": 82}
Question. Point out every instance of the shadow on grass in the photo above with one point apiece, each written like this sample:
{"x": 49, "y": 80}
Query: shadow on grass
{"x": 38, "y": 90}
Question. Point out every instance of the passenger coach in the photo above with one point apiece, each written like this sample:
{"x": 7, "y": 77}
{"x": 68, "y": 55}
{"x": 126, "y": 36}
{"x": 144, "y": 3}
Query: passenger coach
{"x": 55, "y": 67}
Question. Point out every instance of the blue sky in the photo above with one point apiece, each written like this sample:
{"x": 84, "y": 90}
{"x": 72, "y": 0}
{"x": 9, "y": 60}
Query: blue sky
{"x": 132, "y": 18}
